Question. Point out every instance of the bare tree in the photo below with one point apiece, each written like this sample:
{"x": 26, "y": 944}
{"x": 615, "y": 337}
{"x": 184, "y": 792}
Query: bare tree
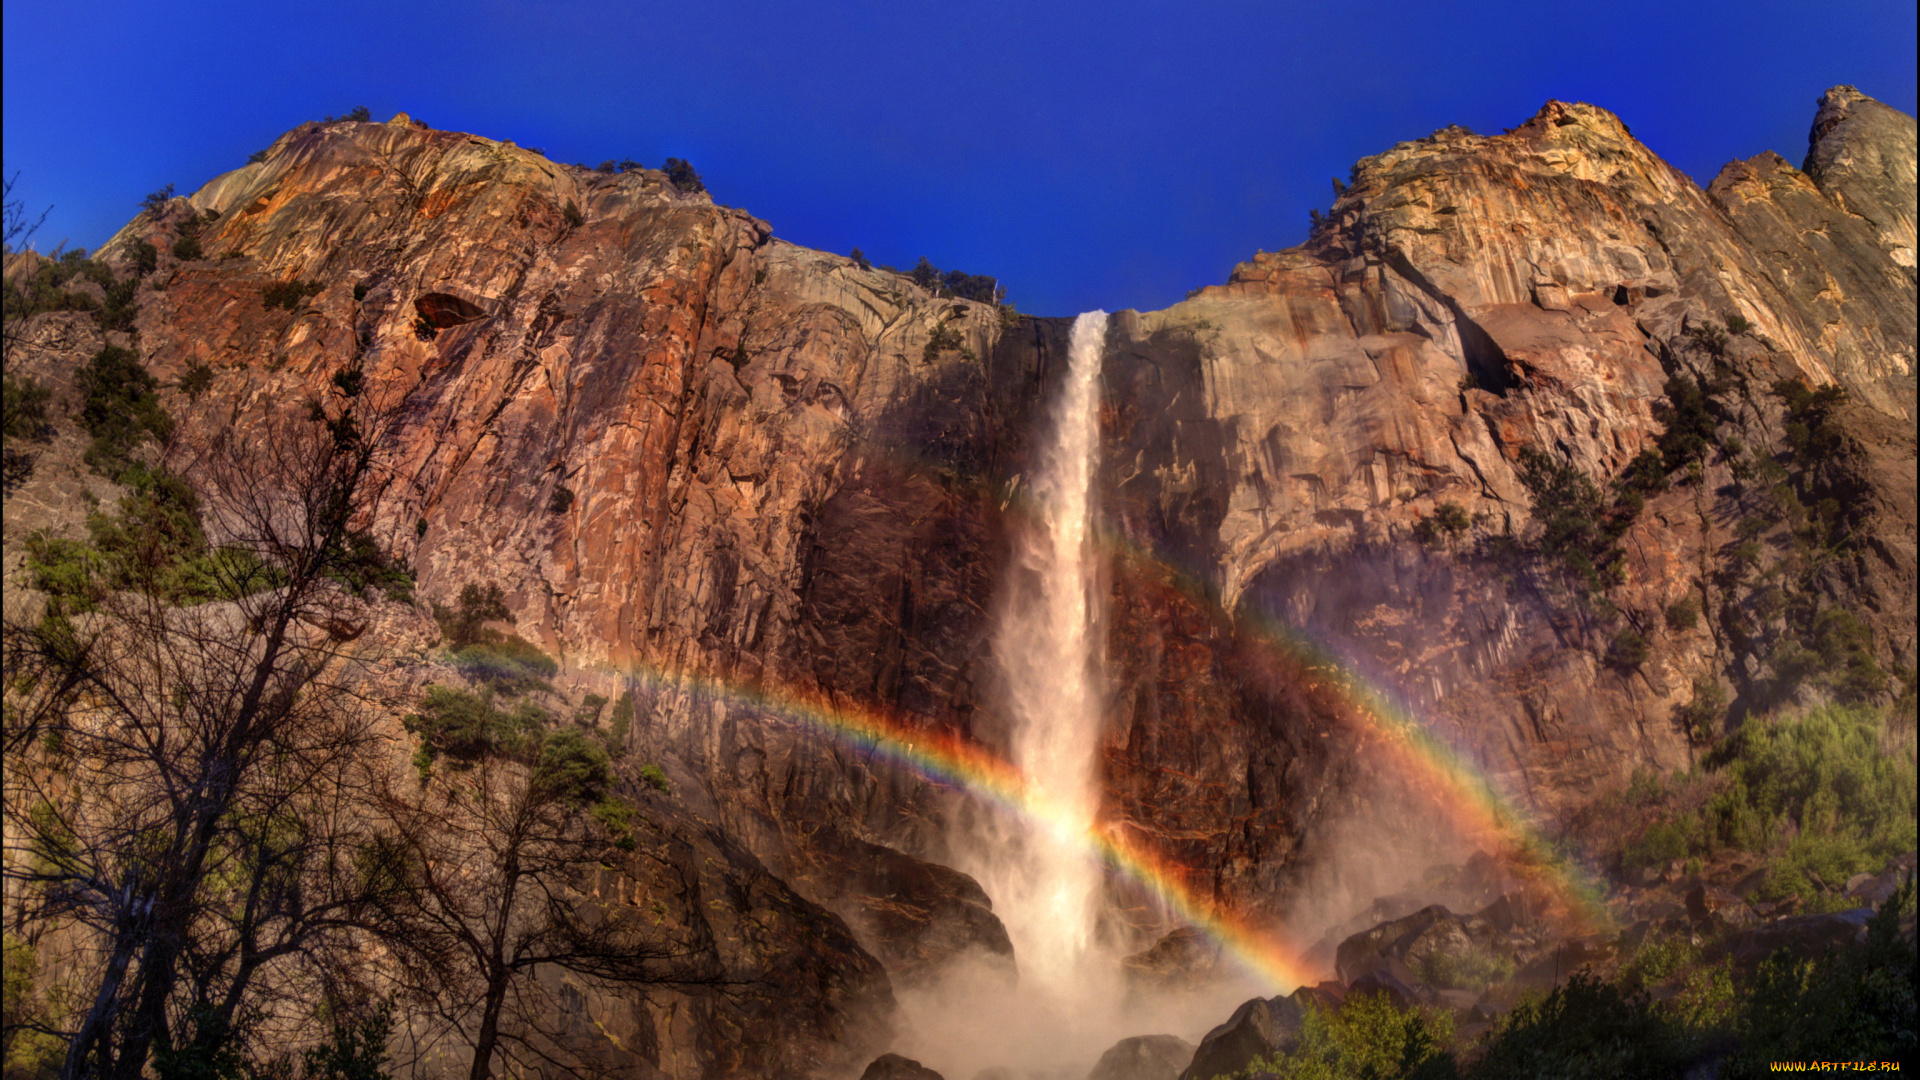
{"x": 496, "y": 853}
{"x": 185, "y": 740}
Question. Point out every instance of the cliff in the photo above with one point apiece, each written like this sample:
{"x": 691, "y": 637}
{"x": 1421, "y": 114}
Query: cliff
{"x": 685, "y": 448}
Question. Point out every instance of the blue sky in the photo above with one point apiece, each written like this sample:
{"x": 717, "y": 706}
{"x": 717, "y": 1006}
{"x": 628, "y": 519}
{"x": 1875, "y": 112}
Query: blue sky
{"x": 1090, "y": 155}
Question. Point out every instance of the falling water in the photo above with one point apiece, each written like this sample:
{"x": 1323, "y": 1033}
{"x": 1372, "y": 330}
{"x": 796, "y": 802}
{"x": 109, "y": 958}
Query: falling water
{"x": 1046, "y": 885}
{"x": 1071, "y": 1001}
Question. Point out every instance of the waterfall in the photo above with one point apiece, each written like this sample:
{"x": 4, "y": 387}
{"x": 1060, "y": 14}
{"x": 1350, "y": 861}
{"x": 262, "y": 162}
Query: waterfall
{"x": 1046, "y": 883}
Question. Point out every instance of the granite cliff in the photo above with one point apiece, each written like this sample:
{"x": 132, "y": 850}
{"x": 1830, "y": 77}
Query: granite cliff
{"x": 718, "y": 472}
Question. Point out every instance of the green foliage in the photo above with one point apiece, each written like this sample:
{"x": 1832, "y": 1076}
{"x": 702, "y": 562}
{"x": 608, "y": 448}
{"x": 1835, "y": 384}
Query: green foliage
{"x": 197, "y": 380}
{"x": 156, "y": 201}
{"x": 152, "y": 543}
{"x": 943, "y": 339}
{"x": 616, "y": 815}
{"x": 26, "y": 421}
{"x": 1628, "y": 650}
{"x": 1448, "y": 523}
{"x": 1700, "y": 717}
{"x": 1691, "y": 414}
{"x": 1738, "y": 324}
{"x": 119, "y": 408}
{"x": 29, "y": 1055}
{"x": 621, "y": 723}
{"x": 560, "y": 501}
{"x": 187, "y": 249}
{"x": 256, "y": 157}
{"x": 588, "y": 714}
{"x": 1474, "y": 971}
{"x": 682, "y": 176}
{"x": 655, "y": 778}
{"x": 572, "y": 216}
{"x": 1366, "y": 1037}
{"x": 356, "y": 1048}
{"x": 462, "y": 624}
{"x": 1585, "y": 1028}
{"x": 1647, "y": 472}
{"x": 424, "y": 329}
{"x": 291, "y": 295}
{"x": 570, "y": 768}
{"x": 362, "y": 566}
{"x": 1661, "y": 843}
{"x": 1857, "y": 1005}
{"x": 509, "y": 664}
{"x": 1683, "y": 614}
{"x": 45, "y": 290}
{"x": 359, "y": 114}
{"x": 1658, "y": 958}
{"x": 1577, "y": 528}
{"x": 860, "y": 260}
{"x": 1828, "y": 775}
{"x": 955, "y": 283}
{"x": 466, "y": 726}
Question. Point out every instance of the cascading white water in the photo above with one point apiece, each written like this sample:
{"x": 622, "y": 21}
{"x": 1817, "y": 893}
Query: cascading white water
{"x": 1046, "y": 883}
{"x": 1072, "y": 1001}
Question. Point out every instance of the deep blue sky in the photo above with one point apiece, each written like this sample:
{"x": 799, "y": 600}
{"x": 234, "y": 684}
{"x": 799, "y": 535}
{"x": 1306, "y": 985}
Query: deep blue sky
{"x": 1090, "y": 155}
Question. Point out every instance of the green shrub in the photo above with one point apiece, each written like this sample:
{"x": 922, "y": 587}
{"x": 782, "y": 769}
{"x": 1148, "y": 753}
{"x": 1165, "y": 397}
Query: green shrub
{"x": 616, "y": 815}
{"x": 25, "y": 405}
{"x": 943, "y": 339}
{"x": 187, "y": 249}
{"x": 560, "y": 501}
{"x": 588, "y": 714}
{"x": 197, "y": 380}
{"x": 683, "y": 177}
{"x": 1738, "y": 324}
{"x": 1683, "y": 614}
{"x": 157, "y": 201}
{"x": 621, "y": 723}
{"x": 1367, "y": 1037}
{"x": 509, "y": 664}
{"x": 119, "y": 408}
{"x": 1854, "y": 1005}
{"x": 572, "y": 216}
{"x": 570, "y": 768}
{"x": 256, "y": 157}
{"x": 1628, "y": 650}
{"x": 467, "y": 726}
{"x": 1584, "y": 1028}
{"x": 506, "y": 663}
{"x": 1692, "y": 416}
{"x": 1700, "y": 717}
{"x": 291, "y": 295}
{"x": 860, "y": 260}
{"x": 655, "y": 778}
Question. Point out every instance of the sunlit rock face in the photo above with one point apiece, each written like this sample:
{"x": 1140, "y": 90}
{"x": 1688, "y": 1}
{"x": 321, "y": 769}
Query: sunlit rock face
{"x": 685, "y": 448}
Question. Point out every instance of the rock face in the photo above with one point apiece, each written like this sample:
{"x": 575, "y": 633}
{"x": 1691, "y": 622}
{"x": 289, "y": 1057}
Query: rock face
{"x": 742, "y": 481}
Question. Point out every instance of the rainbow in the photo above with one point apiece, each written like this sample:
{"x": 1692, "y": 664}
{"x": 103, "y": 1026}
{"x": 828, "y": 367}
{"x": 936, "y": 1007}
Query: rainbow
{"x": 945, "y": 760}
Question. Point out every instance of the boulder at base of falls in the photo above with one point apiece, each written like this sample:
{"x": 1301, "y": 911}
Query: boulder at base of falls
{"x": 895, "y": 1067}
{"x": 1183, "y": 959}
{"x": 1433, "y": 944}
{"x": 1258, "y": 1028}
{"x": 1144, "y": 1057}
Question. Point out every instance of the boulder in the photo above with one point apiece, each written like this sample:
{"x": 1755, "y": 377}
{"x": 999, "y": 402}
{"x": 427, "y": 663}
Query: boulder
{"x": 1806, "y": 937}
{"x": 1256, "y": 1029}
{"x": 895, "y": 1067}
{"x": 1144, "y": 1057}
{"x": 1181, "y": 959}
{"x": 1429, "y": 943}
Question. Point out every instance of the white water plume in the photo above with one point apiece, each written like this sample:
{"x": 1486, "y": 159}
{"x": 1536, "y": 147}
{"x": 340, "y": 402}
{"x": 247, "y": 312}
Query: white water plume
{"x": 1071, "y": 1001}
{"x": 1045, "y": 883}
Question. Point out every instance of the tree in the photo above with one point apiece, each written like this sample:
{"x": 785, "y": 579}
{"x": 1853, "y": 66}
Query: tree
{"x": 491, "y": 854}
{"x": 182, "y": 772}
{"x": 682, "y": 176}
